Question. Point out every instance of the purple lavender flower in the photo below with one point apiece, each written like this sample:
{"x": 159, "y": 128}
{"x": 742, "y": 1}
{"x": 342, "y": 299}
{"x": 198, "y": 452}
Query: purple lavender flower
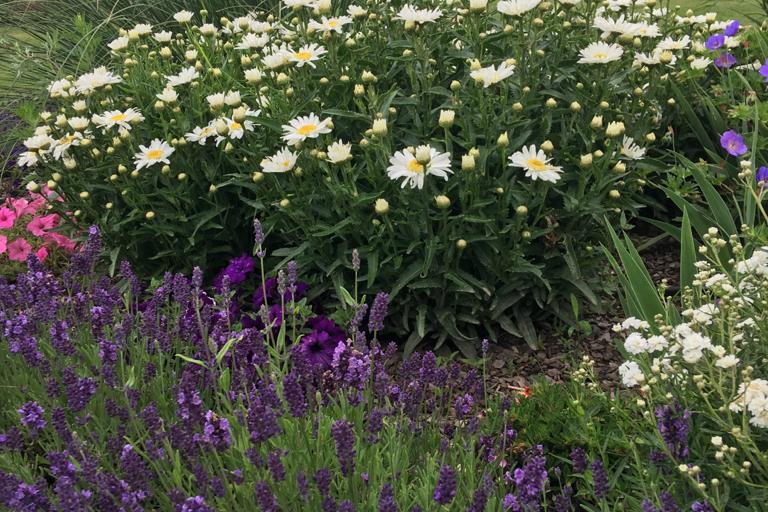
{"x": 262, "y": 421}
{"x": 702, "y": 506}
{"x": 216, "y": 431}
{"x": 355, "y": 260}
{"x": 32, "y": 416}
{"x": 715, "y": 42}
{"x": 511, "y": 504}
{"x": 346, "y": 506}
{"x": 732, "y": 29}
{"x": 764, "y": 70}
{"x": 480, "y": 498}
{"x": 648, "y": 506}
{"x": 733, "y": 143}
{"x": 532, "y": 477}
{"x": 323, "y": 481}
{"x": 446, "y": 486}
{"x": 295, "y": 395}
{"x": 344, "y": 438}
{"x": 265, "y": 498}
{"x": 378, "y": 312}
{"x": 579, "y": 460}
{"x": 673, "y": 425}
{"x": 303, "y": 485}
{"x": 563, "y": 502}
{"x": 668, "y": 503}
{"x": 258, "y": 232}
{"x": 275, "y": 464}
{"x": 726, "y": 60}
{"x": 195, "y": 504}
{"x": 599, "y": 479}
{"x": 387, "y": 499}
{"x": 463, "y": 405}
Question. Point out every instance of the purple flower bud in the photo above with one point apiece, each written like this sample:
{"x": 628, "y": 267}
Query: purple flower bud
{"x": 344, "y": 437}
{"x": 265, "y": 498}
{"x": 446, "y": 486}
{"x": 387, "y": 499}
{"x": 599, "y": 479}
{"x": 32, "y": 416}
{"x": 762, "y": 176}
{"x": 355, "y": 260}
{"x": 197, "y": 278}
{"x": 258, "y": 232}
{"x": 378, "y": 312}
{"x": 579, "y": 460}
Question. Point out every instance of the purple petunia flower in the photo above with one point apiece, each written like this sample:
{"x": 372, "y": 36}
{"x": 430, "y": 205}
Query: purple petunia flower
{"x": 237, "y": 271}
{"x": 725, "y": 61}
{"x": 715, "y": 42}
{"x": 732, "y": 29}
{"x": 318, "y": 346}
{"x": 733, "y": 143}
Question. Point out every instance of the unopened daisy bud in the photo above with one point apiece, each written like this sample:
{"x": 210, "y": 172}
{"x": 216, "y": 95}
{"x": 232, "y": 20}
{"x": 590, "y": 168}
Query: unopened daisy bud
{"x": 620, "y": 167}
{"x": 221, "y": 126}
{"x": 359, "y": 90}
{"x": 239, "y": 114}
{"x": 614, "y": 194}
{"x": 604, "y": 105}
{"x": 32, "y": 186}
{"x": 538, "y": 22}
{"x": 615, "y": 129}
{"x": 368, "y": 77}
{"x": 122, "y": 169}
{"x": 467, "y": 163}
{"x": 461, "y": 244}
{"x": 503, "y": 140}
{"x": 474, "y": 152}
{"x": 517, "y": 106}
{"x": 499, "y": 190}
{"x": 165, "y": 52}
{"x": 551, "y": 103}
{"x": 61, "y": 121}
{"x": 253, "y": 76}
{"x": 283, "y": 79}
{"x": 671, "y": 102}
{"x": 380, "y": 127}
{"x": 166, "y": 169}
{"x": 526, "y": 234}
{"x": 284, "y": 203}
{"x": 159, "y": 105}
{"x": 446, "y": 118}
{"x": 455, "y": 85}
{"x": 596, "y": 123}
{"x": 575, "y": 106}
{"x": 135, "y": 173}
{"x": 521, "y": 210}
{"x": 442, "y": 202}
{"x": 257, "y": 176}
{"x": 637, "y": 91}
{"x": 212, "y": 189}
{"x": 149, "y": 215}
{"x": 547, "y": 146}
{"x": 586, "y": 160}
{"x": 181, "y": 176}
{"x": 108, "y": 206}
{"x": 423, "y": 155}
{"x": 478, "y": 5}
{"x": 407, "y": 52}
{"x": 381, "y": 206}
{"x": 228, "y": 148}
{"x": 598, "y": 153}
{"x": 650, "y": 137}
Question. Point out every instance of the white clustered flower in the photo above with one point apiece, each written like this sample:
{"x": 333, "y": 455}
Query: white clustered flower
{"x": 631, "y": 375}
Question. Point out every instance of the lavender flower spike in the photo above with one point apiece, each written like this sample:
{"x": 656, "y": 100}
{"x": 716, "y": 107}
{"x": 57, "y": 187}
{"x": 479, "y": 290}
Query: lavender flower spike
{"x": 446, "y": 486}
{"x": 378, "y": 312}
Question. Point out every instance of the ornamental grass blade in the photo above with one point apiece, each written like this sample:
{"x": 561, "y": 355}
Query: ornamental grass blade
{"x": 717, "y": 206}
{"x": 687, "y": 253}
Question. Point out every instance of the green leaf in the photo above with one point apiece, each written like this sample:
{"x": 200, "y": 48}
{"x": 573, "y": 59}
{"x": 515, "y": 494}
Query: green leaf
{"x": 191, "y": 360}
{"x": 408, "y": 275}
{"x": 687, "y": 253}
{"x": 224, "y": 349}
{"x": 411, "y": 343}
{"x": 346, "y": 297}
{"x": 717, "y": 206}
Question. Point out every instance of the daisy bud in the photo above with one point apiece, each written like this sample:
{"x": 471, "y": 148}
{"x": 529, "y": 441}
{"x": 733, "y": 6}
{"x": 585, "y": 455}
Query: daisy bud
{"x": 503, "y": 140}
{"x": 407, "y": 53}
{"x": 166, "y": 169}
{"x": 159, "y": 105}
{"x": 650, "y": 137}
{"x": 575, "y": 106}
{"x": 455, "y": 85}
{"x": 478, "y": 5}
{"x": 79, "y": 106}
{"x": 56, "y": 177}
{"x": 521, "y": 210}
{"x": 551, "y": 103}
{"x": 284, "y": 203}
{"x": 538, "y": 22}
{"x": 446, "y": 118}
{"x": 149, "y": 215}
{"x": 135, "y": 174}
{"x": 381, "y": 206}
{"x": 229, "y": 148}
{"x": 368, "y": 77}
{"x": 410, "y": 25}
{"x": 32, "y": 186}
{"x": 165, "y": 52}
{"x": 239, "y": 114}
{"x": 122, "y": 169}
{"x": 423, "y": 155}
{"x": 324, "y": 81}
{"x": 380, "y": 127}
{"x": 289, "y": 92}
{"x": 442, "y": 202}
{"x": 257, "y": 176}
{"x": 108, "y": 206}
{"x": 190, "y": 56}
{"x": 615, "y": 129}
{"x": 359, "y": 90}
{"x": 461, "y": 244}
{"x": 283, "y": 79}
{"x": 467, "y": 163}
{"x": 508, "y": 29}
{"x": 181, "y": 176}
{"x": 637, "y": 91}
{"x": 212, "y": 189}
{"x": 671, "y": 102}
{"x": 517, "y": 106}
{"x": 620, "y": 167}
{"x": 526, "y": 234}
{"x": 499, "y": 190}
{"x": 547, "y": 146}
{"x": 614, "y": 194}
{"x": 78, "y": 213}
{"x": 221, "y": 126}
{"x": 604, "y": 105}
{"x": 324, "y": 6}
{"x": 598, "y": 153}
{"x": 86, "y": 143}
{"x": 245, "y": 61}
{"x": 69, "y": 163}
{"x": 474, "y": 152}
{"x": 253, "y": 76}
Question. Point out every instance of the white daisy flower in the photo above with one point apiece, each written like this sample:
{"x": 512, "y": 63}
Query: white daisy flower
{"x": 674, "y": 44}
{"x": 184, "y": 77}
{"x": 307, "y": 54}
{"x": 356, "y": 11}
{"x": 339, "y": 152}
{"x": 303, "y": 128}
{"x": 200, "y": 134}
{"x": 157, "y": 152}
{"x": 28, "y": 159}
{"x": 492, "y": 75}
{"x": 117, "y": 118}
{"x": 516, "y": 7}
{"x": 727, "y": 361}
{"x": 610, "y": 25}
{"x": 163, "y": 37}
{"x": 183, "y": 17}
{"x": 404, "y": 164}
{"x": 252, "y": 41}
{"x": 253, "y": 76}
{"x": 282, "y": 161}
{"x": 643, "y": 29}
{"x": 119, "y": 44}
{"x": 60, "y": 88}
{"x": 78, "y": 123}
{"x": 335, "y": 24}
{"x": 99, "y": 77}
{"x": 63, "y": 144}
{"x": 215, "y": 101}
{"x": 411, "y": 14}
{"x": 631, "y": 150}
{"x": 168, "y": 95}
{"x": 296, "y": 4}
{"x": 536, "y": 164}
{"x": 600, "y": 53}
{"x": 235, "y": 129}
{"x": 142, "y": 29}
{"x": 40, "y": 142}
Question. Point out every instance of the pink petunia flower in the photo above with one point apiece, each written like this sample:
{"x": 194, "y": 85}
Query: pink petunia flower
{"x": 39, "y": 225}
{"x": 61, "y": 241}
{"x": 22, "y": 207}
{"x": 41, "y": 254}
{"x": 7, "y": 218}
{"x": 19, "y": 249}
{"x": 3, "y": 244}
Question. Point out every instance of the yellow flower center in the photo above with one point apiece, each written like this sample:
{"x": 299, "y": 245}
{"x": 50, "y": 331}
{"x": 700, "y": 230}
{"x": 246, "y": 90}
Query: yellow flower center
{"x": 332, "y": 23}
{"x": 286, "y": 163}
{"x": 415, "y": 166}
{"x": 304, "y": 55}
{"x": 536, "y": 164}
{"x": 306, "y": 129}
{"x": 235, "y": 126}
{"x": 118, "y": 117}
{"x": 154, "y": 154}
{"x": 600, "y": 55}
